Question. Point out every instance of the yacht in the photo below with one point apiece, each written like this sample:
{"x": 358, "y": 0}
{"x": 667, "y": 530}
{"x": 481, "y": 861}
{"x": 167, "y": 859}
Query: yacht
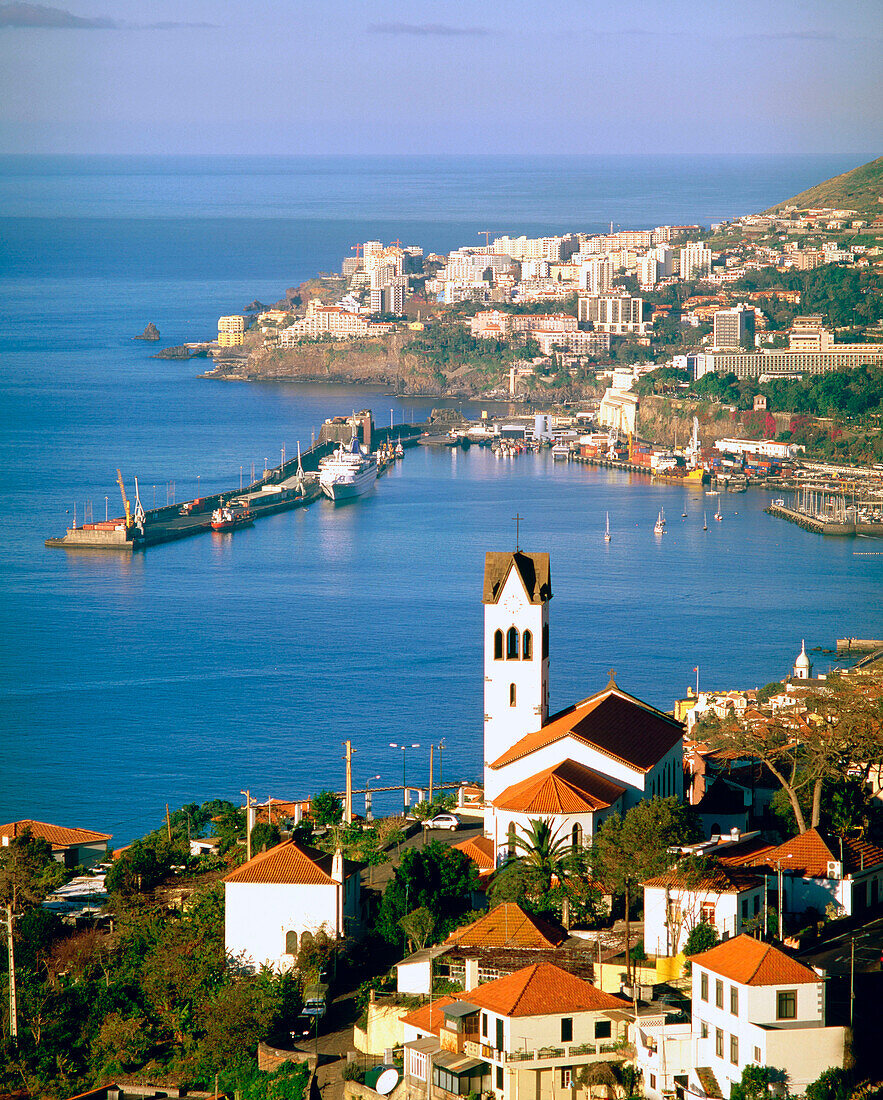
{"x": 607, "y": 529}
{"x": 347, "y": 473}
{"x": 659, "y": 526}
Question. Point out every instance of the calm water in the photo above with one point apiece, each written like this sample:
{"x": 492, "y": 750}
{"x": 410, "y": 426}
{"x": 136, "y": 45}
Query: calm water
{"x": 221, "y": 662}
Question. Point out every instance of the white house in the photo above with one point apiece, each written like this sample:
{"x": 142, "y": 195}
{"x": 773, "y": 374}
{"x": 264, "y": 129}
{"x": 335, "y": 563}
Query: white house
{"x": 528, "y": 1034}
{"x": 755, "y": 1005}
{"x": 675, "y": 902}
{"x": 282, "y": 898}
{"x": 598, "y": 757}
{"x": 71, "y": 846}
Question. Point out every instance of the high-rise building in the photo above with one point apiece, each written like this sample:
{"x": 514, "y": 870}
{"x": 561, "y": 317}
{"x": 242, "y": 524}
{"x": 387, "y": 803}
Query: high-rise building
{"x": 596, "y": 275}
{"x": 648, "y": 270}
{"x": 615, "y": 313}
{"x": 695, "y": 261}
{"x": 231, "y": 331}
{"x": 733, "y": 328}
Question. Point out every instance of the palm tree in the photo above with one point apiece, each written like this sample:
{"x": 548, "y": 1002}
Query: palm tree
{"x": 543, "y": 852}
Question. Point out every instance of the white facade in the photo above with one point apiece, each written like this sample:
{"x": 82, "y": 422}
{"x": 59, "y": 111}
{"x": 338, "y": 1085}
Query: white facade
{"x": 516, "y": 669}
{"x": 695, "y": 261}
{"x": 578, "y": 828}
{"x": 672, "y": 912}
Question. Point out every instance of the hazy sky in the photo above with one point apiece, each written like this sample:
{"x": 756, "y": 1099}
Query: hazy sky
{"x": 442, "y": 76}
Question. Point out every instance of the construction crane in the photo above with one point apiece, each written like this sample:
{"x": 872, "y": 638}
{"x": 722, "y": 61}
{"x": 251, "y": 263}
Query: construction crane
{"x": 125, "y": 500}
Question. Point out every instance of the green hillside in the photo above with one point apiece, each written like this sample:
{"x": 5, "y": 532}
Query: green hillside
{"x": 858, "y": 190}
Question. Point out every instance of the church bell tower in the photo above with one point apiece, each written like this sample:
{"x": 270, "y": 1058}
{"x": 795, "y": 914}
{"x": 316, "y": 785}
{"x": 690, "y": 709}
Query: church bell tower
{"x": 517, "y": 590}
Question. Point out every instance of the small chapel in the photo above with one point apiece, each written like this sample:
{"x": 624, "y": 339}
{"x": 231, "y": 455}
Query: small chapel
{"x": 596, "y": 757}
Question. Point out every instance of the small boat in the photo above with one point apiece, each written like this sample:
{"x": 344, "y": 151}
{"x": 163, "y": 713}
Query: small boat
{"x": 226, "y": 519}
{"x": 683, "y": 515}
{"x": 705, "y": 521}
{"x": 607, "y": 529}
{"x": 712, "y": 493}
{"x": 561, "y": 453}
{"x": 659, "y": 525}
{"x": 718, "y": 515}
{"x": 400, "y": 450}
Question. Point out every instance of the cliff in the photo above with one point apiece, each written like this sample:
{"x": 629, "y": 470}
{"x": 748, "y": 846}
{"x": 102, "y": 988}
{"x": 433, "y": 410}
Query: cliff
{"x": 859, "y": 189}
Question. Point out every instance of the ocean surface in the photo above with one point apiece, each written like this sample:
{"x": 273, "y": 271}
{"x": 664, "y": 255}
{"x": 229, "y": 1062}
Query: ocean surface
{"x": 221, "y": 663}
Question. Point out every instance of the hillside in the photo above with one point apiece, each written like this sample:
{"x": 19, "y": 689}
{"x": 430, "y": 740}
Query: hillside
{"x": 858, "y": 190}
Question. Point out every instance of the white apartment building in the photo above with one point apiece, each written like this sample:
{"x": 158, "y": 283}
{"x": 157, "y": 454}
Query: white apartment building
{"x": 231, "y": 331}
{"x": 554, "y": 249}
{"x": 338, "y": 323}
{"x": 733, "y": 327}
{"x": 648, "y": 271}
{"x": 614, "y": 313}
{"x": 695, "y": 261}
{"x": 596, "y": 276}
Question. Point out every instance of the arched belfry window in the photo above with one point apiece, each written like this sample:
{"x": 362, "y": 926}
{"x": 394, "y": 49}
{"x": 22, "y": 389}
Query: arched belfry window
{"x": 526, "y": 646}
{"x": 576, "y": 837}
{"x": 511, "y": 695}
{"x": 498, "y": 645}
{"x": 291, "y": 943}
{"x": 511, "y": 644}
{"x": 545, "y": 640}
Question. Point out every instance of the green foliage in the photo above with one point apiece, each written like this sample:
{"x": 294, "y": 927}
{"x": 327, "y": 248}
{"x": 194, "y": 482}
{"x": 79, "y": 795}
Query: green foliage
{"x": 326, "y": 808}
{"x": 831, "y": 1084}
{"x": 264, "y": 836}
{"x": 288, "y": 1082}
{"x": 637, "y": 953}
{"x": 418, "y": 926}
{"x": 661, "y": 380}
{"x": 436, "y": 877}
{"x": 27, "y": 871}
{"x": 701, "y": 938}
{"x": 842, "y": 295}
{"x": 766, "y": 693}
{"x": 755, "y": 1083}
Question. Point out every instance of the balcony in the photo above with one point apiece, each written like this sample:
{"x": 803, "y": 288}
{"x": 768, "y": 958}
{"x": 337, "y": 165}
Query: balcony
{"x": 600, "y": 1050}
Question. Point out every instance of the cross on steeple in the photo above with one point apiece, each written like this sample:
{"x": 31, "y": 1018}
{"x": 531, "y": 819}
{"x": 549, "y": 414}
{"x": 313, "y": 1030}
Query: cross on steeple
{"x": 518, "y": 519}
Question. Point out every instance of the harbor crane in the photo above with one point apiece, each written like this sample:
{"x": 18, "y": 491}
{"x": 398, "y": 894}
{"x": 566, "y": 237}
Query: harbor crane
{"x": 486, "y": 233}
{"x": 125, "y": 500}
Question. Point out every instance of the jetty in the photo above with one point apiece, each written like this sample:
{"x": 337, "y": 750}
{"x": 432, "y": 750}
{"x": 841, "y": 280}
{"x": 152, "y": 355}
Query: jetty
{"x": 831, "y": 510}
{"x": 294, "y": 483}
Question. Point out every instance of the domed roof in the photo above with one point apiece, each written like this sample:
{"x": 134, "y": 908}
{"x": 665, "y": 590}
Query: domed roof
{"x": 802, "y": 659}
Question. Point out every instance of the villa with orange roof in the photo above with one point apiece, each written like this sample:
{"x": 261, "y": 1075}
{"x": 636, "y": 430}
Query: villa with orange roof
{"x": 752, "y": 1004}
{"x": 283, "y": 898}
{"x": 72, "y": 847}
{"x": 528, "y": 1034}
{"x": 597, "y": 757}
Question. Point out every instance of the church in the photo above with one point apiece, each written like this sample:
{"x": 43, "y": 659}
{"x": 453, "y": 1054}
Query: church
{"x": 597, "y": 757}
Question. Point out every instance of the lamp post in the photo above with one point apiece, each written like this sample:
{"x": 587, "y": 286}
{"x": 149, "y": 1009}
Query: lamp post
{"x": 404, "y": 748}
{"x": 369, "y": 815}
{"x": 441, "y": 746}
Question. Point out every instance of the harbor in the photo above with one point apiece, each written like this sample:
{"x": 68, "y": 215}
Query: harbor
{"x": 828, "y": 510}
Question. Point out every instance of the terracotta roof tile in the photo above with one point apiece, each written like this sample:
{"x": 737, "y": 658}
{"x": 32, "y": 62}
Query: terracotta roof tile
{"x": 748, "y": 961}
{"x": 59, "y": 836}
{"x": 611, "y": 721}
{"x": 567, "y": 787}
{"x": 533, "y": 569}
{"x": 290, "y": 863}
{"x": 508, "y": 925}
{"x": 720, "y": 879}
{"x": 428, "y": 1018}
{"x": 480, "y": 850}
{"x": 810, "y": 853}
{"x": 539, "y": 990}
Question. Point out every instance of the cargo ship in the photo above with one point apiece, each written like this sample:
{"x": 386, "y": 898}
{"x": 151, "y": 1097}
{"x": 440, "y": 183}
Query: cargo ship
{"x": 226, "y": 519}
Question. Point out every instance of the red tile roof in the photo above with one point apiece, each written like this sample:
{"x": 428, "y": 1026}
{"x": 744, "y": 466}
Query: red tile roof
{"x": 568, "y": 787}
{"x": 540, "y": 990}
{"x": 59, "y": 836}
{"x": 810, "y": 853}
{"x": 611, "y": 721}
{"x": 720, "y": 880}
{"x": 480, "y": 850}
{"x": 750, "y": 962}
{"x": 508, "y": 925}
{"x": 429, "y": 1017}
{"x": 290, "y": 863}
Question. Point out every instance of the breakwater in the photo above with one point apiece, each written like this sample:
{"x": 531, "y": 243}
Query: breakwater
{"x": 823, "y": 526}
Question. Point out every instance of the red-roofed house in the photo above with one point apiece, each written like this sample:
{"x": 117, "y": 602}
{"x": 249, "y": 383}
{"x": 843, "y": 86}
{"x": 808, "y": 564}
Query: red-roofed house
{"x": 600, "y": 756}
{"x": 72, "y": 847}
{"x": 283, "y": 898}
{"x": 753, "y": 1004}
{"x": 527, "y": 1034}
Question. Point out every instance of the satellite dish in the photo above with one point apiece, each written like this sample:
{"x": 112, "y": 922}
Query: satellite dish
{"x": 387, "y": 1080}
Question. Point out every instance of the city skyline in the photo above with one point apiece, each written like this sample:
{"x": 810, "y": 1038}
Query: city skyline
{"x": 505, "y": 76}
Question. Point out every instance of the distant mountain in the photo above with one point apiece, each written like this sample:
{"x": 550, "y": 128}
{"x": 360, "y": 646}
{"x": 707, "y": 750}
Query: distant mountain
{"x": 859, "y": 190}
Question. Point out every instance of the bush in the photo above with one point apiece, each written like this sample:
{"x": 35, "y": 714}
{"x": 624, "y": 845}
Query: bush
{"x": 702, "y": 938}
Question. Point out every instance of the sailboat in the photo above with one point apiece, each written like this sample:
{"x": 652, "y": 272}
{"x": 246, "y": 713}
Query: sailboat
{"x": 659, "y": 526}
{"x": 718, "y": 515}
{"x": 607, "y": 529}
{"x": 705, "y": 521}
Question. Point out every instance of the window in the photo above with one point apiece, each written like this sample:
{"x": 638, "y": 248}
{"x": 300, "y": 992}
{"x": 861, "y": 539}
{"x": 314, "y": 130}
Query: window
{"x": 734, "y": 1050}
{"x": 703, "y": 1029}
{"x": 703, "y": 987}
{"x": 511, "y": 695}
{"x": 719, "y": 993}
{"x": 484, "y": 1025}
{"x": 511, "y": 644}
{"x": 734, "y": 1000}
{"x": 708, "y": 913}
{"x": 498, "y": 645}
{"x": 499, "y": 1077}
{"x": 744, "y": 908}
{"x": 756, "y": 906}
{"x": 757, "y": 1055}
{"x": 652, "y": 1080}
{"x": 500, "y": 1036}
{"x": 576, "y": 837}
{"x": 567, "y": 1077}
{"x": 786, "y": 1004}
{"x": 527, "y": 646}
{"x": 718, "y": 1042}
{"x": 291, "y": 943}
{"x": 566, "y": 1029}
{"x": 602, "y": 1029}
{"x": 545, "y": 641}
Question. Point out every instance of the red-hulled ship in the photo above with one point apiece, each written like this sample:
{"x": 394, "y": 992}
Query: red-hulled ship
{"x": 225, "y": 519}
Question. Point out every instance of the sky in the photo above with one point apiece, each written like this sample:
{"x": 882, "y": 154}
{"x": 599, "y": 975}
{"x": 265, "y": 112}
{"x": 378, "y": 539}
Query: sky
{"x": 441, "y": 76}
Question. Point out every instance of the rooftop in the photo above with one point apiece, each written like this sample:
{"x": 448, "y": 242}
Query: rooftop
{"x": 508, "y": 925}
{"x": 292, "y": 864}
{"x": 540, "y": 990}
{"x": 533, "y": 569}
{"x": 480, "y": 850}
{"x": 59, "y": 836}
{"x": 749, "y": 961}
{"x": 567, "y": 787}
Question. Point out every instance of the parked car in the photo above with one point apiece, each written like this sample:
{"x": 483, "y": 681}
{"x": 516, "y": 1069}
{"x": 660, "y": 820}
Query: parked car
{"x": 444, "y": 821}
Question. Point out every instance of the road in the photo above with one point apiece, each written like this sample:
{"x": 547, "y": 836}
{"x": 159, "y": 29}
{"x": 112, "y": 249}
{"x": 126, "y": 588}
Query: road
{"x": 835, "y": 956}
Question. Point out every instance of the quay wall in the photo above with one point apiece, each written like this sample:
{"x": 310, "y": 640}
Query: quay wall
{"x": 822, "y": 526}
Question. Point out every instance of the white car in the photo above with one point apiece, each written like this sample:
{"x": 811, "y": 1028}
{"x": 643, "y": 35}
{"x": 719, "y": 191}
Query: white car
{"x": 444, "y": 821}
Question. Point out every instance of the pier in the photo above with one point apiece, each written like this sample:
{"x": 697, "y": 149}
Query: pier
{"x": 832, "y": 510}
{"x": 292, "y": 484}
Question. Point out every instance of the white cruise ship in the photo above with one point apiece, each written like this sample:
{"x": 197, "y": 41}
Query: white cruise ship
{"x": 347, "y": 473}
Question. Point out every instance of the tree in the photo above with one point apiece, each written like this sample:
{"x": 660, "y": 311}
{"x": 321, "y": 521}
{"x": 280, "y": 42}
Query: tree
{"x": 264, "y": 836}
{"x": 326, "y": 808}
{"x": 27, "y": 871}
{"x": 418, "y": 927}
{"x": 542, "y": 853}
{"x": 627, "y": 850}
{"x": 831, "y": 1084}
{"x": 436, "y": 877}
{"x": 754, "y": 1085}
{"x": 702, "y": 938}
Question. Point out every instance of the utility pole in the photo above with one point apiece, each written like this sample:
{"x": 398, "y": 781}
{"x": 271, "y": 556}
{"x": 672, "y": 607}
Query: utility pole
{"x": 348, "y": 799}
{"x": 13, "y": 1010}
{"x": 168, "y": 824}
{"x": 780, "y": 906}
{"x": 851, "y": 978}
{"x": 247, "y": 823}
{"x": 431, "y": 751}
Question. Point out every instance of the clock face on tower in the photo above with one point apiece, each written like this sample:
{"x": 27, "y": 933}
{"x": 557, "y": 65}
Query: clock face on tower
{"x": 512, "y": 603}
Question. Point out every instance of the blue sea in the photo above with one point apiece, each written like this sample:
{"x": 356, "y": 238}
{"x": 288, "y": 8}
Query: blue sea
{"x": 225, "y": 663}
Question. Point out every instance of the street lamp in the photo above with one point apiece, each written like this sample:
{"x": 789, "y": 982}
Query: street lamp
{"x": 369, "y": 816}
{"x": 441, "y": 777}
{"x": 404, "y": 748}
